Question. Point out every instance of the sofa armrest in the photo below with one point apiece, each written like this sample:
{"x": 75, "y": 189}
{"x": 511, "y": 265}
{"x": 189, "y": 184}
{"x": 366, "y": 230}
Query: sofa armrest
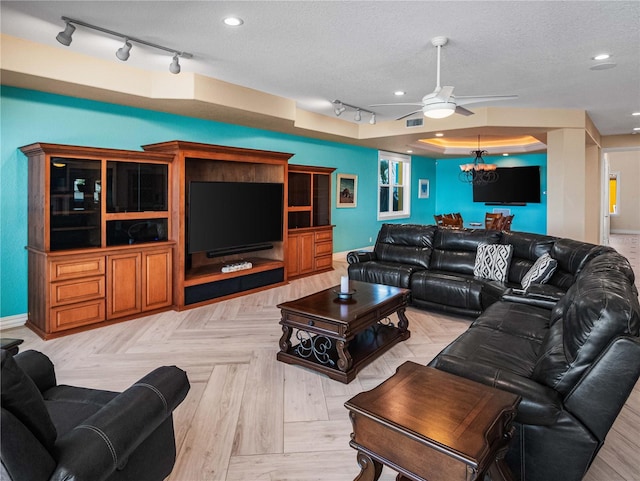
{"x": 93, "y": 450}
{"x": 360, "y": 256}
{"x": 598, "y": 397}
{"x": 540, "y": 404}
{"x": 530, "y": 298}
{"x": 38, "y": 367}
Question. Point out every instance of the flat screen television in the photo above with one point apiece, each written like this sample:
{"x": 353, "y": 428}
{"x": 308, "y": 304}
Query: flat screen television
{"x": 228, "y": 217}
{"x": 515, "y": 185}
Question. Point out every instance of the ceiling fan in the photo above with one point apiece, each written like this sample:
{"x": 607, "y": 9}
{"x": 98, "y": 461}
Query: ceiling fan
{"x": 441, "y": 102}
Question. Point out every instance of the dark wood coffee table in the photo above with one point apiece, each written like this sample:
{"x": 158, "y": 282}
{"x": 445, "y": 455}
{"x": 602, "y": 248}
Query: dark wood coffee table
{"x": 430, "y": 425}
{"x": 338, "y": 337}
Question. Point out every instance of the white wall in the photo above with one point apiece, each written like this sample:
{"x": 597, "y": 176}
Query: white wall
{"x": 627, "y": 164}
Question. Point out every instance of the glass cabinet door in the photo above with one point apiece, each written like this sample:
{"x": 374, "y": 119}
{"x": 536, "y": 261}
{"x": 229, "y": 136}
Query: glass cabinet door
{"x": 321, "y": 199}
{"x": 75, "y": 203}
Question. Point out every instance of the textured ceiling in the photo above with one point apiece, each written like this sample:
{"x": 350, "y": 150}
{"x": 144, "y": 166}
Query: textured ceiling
{"x": 361, "y": 52}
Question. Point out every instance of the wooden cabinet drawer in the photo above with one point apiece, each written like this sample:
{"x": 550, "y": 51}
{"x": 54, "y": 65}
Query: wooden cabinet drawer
{"x": 312, "y": 325}
{"x": 324, "y": 262}
{"x": 77, "y": 290}
{"x": 61, "y": 269}
{"x": 324, "y": 235}
{"x": 75, "y": 315}
{"x": 324, "y": 248}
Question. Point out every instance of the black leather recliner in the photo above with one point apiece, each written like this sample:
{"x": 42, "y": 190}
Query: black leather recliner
{"x": 58, "y": 432}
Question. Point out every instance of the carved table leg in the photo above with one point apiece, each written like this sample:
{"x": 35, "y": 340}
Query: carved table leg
{"x": 344, "y": 357}
{"x": 403, "y": 324}
{"x": 370, "y": 468}
{"x": 285, "y": 340}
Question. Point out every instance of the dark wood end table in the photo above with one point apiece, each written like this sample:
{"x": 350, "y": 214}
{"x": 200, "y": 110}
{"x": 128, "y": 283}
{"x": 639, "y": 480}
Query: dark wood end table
{"x": 430, "y": 425}
{"x": 338, "y": 337}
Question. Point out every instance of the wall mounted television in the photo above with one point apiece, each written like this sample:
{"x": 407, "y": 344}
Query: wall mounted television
{"x": 515, "y": 186}
{"x": 233, "y": 217}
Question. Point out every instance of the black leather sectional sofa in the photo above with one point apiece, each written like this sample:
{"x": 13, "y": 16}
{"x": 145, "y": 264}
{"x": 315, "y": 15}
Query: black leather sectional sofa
{"x": 570, "y": 346}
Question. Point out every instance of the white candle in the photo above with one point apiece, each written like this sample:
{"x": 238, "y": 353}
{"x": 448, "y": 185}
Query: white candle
{"x": 344, "y": 284}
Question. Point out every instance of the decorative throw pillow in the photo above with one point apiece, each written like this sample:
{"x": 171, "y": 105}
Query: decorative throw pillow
{"x": 492, "y": 261}
{"x": 540, "y": 272}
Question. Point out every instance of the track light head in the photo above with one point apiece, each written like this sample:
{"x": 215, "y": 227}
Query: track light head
{"x": 123, "y": 52}
{"x": 64, "y": 37}
{"x": 174, "y": 67}
{"x": 358, "y": 116}
{"x": 372, "y": 121}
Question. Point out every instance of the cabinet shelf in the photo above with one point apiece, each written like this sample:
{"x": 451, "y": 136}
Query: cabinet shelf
{"x": 213, "y": 272}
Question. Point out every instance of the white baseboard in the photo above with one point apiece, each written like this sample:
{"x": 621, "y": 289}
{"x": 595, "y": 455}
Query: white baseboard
{"x": 625, "y": 231}
{"x": 12, "y": 321}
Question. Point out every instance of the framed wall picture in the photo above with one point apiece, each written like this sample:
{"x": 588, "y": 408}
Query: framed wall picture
{"x": 423, "y": 189}
{"x": 347, "y": 194}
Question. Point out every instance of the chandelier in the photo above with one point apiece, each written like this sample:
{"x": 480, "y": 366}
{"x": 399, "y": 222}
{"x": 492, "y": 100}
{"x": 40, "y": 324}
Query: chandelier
{"x": 478, "y": 172}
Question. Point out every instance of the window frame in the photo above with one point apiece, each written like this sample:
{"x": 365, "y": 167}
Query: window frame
{"x": 405, "y": 184}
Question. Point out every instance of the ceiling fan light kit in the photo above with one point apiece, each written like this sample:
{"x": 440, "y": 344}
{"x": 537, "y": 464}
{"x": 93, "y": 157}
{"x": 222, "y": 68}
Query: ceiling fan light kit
{"x": 439, "y": 110}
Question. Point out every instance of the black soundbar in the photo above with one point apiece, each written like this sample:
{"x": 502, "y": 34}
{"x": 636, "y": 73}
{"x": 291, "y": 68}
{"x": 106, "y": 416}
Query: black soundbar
{"x": 239, "y": 250}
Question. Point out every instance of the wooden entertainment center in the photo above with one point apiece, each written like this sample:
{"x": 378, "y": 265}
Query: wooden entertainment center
{"x": 108, "y": 231}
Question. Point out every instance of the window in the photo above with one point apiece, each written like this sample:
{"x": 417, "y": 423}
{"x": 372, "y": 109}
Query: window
{"x": 394, "y": 181}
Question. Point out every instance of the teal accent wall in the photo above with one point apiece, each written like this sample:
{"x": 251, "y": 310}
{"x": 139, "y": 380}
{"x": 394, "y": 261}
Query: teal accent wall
{"x": 28, "y": 116}
{"x": 452, "y": 195}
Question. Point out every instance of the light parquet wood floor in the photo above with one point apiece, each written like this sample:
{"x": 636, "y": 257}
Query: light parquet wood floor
{"x": 248, "y": 417}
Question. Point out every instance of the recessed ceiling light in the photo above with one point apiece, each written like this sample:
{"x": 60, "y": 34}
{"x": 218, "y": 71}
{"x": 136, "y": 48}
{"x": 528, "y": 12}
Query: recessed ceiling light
{"x": 409, "y": 151}
{"x": 635, "y": 113}
{"x": 399, "y": 93}
{"x": 602, "y": 56}
{"x": 636, "y": 129}
{"x": 233, "y": 21}
{"x": 439, "y": 134}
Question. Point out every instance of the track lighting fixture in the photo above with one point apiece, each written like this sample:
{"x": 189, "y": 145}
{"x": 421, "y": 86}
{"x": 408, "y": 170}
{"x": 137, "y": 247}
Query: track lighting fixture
{"x": 174, "y": 67}
{"x": 123, "y": 52}
{"x": 340, "y": 107}
{"x": 64, "y": 38}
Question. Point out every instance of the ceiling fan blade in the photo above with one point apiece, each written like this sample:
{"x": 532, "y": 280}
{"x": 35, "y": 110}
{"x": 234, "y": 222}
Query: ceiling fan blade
{"x": 463, "y": 111}
{"x": 444, "y": 93}
{"x": 409, "y": 114}
{"x": 483, "y": 98}
{"x": 414, "y": 104}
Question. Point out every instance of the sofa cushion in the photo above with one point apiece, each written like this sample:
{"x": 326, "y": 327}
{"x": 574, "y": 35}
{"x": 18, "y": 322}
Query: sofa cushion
{"x": 596, "y": 309}
{"x": 454, "y": 250}
{"x": 389, "y": 273}
{"x": 448, "y": 289}
{"x": 405, "y": 244}
{"x": 540, "y": 272}
{"x": 572, "y": 256}
{"x": 527, "y": 247}
{"x": 516, "y": 319}
{"x": 492, "y": 261}
{"x": 21, "y": 397}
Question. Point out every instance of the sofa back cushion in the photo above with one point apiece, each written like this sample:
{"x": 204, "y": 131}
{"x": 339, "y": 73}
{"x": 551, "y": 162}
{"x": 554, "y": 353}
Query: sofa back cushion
{"x": 454, "y": 250}
{"x": 601, "y": 305}
{"x": 405, "y": 244}
{"x": 21, "y": 397}
{"x": 527, "y": 248}
{"x": 572, "y": 255}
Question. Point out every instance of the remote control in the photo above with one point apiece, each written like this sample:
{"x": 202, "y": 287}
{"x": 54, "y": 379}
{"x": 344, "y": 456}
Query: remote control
{"x": 238, "y": 266}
